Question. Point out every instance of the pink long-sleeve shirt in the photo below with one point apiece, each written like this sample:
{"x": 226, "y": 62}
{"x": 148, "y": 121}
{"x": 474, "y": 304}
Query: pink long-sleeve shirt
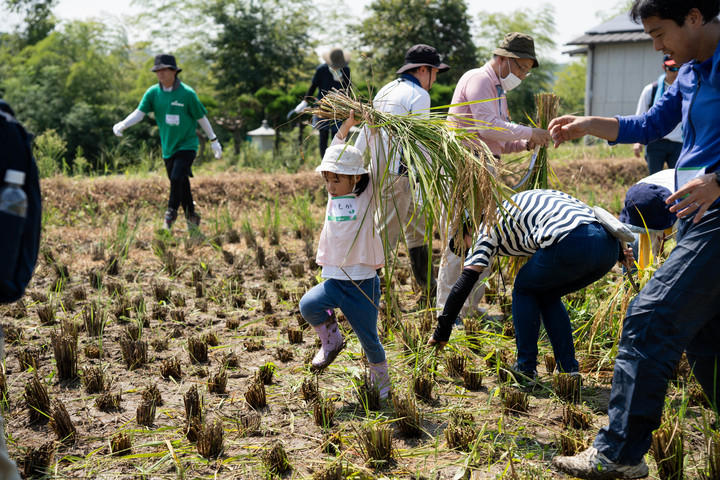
{"x": 489, "y": 119}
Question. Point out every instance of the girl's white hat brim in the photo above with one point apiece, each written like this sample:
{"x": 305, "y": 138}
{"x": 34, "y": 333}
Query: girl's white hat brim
{"x": 342, "y": 160}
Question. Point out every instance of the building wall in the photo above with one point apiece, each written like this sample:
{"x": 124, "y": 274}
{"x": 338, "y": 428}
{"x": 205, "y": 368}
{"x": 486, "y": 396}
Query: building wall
{"x": 617, "y": 74}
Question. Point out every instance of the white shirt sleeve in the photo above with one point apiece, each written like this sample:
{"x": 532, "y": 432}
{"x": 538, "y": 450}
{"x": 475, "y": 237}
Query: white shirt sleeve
{"x": 207, "y": 128}
{"x": 645, "y": 100}
{"x": 133, "y": 118}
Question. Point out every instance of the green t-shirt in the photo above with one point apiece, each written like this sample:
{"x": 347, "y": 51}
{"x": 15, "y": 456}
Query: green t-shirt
{"x": 176, "y": 113}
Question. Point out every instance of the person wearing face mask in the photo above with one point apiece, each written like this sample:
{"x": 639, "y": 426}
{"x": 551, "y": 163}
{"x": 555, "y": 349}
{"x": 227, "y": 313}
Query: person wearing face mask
{"x": 334, "y": 73}
{"x": 488, "y": 118}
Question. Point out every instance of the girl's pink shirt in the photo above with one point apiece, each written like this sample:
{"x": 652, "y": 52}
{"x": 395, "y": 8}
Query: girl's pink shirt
{"x": 352, "y": 242}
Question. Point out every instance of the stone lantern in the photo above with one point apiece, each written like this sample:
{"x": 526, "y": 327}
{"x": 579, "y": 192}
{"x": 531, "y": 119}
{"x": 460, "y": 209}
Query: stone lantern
{"x": 263, "y": 138}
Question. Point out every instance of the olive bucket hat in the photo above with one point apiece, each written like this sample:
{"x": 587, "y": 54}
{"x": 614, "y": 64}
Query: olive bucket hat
{"x": 163, "y": 60}
{"x": 517, "y": 45}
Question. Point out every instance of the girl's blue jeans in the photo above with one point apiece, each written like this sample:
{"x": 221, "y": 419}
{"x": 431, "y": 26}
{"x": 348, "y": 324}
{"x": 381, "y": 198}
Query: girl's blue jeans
{"x": 358, "y": 300}
{"x": 585, "y": 255}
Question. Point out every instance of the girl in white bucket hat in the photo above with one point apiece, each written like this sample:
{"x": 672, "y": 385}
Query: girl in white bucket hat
{"x": 350, "y": 252}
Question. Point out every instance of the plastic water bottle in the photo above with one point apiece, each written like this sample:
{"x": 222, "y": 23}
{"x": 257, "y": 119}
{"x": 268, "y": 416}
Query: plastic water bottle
{"x": 13, "y": 199}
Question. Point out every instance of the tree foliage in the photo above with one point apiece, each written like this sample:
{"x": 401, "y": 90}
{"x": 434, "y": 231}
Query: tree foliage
{"x": 540, "y": 25}
{"x": 570, "y": 87}
{"x": 260, "y": 43}
{"x": 393, "y": 26}
{"x": 38, "y": 19}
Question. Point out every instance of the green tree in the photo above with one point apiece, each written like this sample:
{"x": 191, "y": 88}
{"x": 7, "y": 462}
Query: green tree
{"x": 570, "y": 87}
{"x": 38, "y": 19}
{"x": 68, "y": 81}
{"x": 260, "y": 43}
{"x": 393, "y": 26}
{"x": 541, "y": 26}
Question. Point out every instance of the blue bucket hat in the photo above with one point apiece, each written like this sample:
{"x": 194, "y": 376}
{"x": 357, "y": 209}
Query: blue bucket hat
{"x": 646, "y": 202}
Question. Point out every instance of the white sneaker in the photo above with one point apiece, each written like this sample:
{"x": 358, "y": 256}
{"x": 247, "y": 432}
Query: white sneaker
{"x": 591, "y": 464}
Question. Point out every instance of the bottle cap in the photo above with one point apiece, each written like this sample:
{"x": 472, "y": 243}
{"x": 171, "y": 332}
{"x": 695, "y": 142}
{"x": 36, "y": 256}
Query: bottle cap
{"x": 15, "y": 176}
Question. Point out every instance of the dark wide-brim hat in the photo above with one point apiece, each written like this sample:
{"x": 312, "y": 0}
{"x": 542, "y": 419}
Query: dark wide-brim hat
{"x": 517, "y": 45}
{"x": 164, "y": 60}
{"x": 423, "y": 56}
{"x": 645, "y": 207}
{"x": 336, "y": 58}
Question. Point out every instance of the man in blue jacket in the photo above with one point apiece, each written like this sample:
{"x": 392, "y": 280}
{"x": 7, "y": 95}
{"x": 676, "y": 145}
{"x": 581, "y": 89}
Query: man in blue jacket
{"x": 678, "y": 308}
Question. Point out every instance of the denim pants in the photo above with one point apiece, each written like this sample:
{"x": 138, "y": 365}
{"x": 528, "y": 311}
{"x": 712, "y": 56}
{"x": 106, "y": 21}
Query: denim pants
{"x": 676, "y": 311}
{"x": 358, "y": 300}
{"x": 179, "y": 171}
{"x": 585, "y": 255}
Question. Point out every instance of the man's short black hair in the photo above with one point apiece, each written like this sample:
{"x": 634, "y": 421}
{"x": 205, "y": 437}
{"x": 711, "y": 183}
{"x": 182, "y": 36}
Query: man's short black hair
{"x": 675, "y": 10}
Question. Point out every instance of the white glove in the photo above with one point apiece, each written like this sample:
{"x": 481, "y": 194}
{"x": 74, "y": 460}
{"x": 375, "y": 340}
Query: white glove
{"x": 217, "y": 148}
{"x": 301, "y": 106}
{"x": 118, "y": 129}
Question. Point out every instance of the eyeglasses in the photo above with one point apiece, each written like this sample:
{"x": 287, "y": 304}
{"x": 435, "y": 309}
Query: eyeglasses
{"x": 672, "y": 69}
{"x": 525, "y": 72}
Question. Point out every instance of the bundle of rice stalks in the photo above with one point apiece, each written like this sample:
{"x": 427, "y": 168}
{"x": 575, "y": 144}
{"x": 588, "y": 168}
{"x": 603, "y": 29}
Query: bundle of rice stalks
{"x": 323, "y": 412}
{"x": 450, "y": 168}
{"x": 121, "y": 444}
{"x": 422, "y": 386}
{"x": 37, "y": 460}
{"x": 248, "y": 424}
{"x": 460, "y": 432}
{"x": 309, "y": 389}
{"x": 265, "y": 373}
{"x": 134, "y": 353}
{"x": 576, "y": 418}
{"x": 570, "y": 442}
{"x": 197, "y": 349}
{"x": 217, "y": 383}
{"x": 409, "y": 418}
{"x": 256, "y": 396}
{"x": 667, "y": 449}
{"x": 334, "y": 471}
{"x": 712, "y": 450}
{"x": 171, "y": 368}
{"x": 567, "y": 387}
{"x": 193, "y": 403}
{"x": 472, "y": 379}
{"x": 455, "y": 364}
{"x": 375, "y": 443}
{"x": 37, "y": 399}
{"x": 210, "y": 440}
{"x": 145, "y": 414}
{"x": 62, "y": 425}
{"x": 276, "y": 459}
{"x": 514, "y": 401}
{"x": 93, "y": 379}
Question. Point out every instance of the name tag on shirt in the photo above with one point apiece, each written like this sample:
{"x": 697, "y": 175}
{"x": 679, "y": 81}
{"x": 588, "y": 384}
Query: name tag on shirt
{"x": 172, "y": 119}
{"x": 342, "y": 209}
{"x": 685, "y": 174}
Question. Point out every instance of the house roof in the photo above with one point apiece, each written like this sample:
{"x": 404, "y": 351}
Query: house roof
{"x": 618, "y": 29}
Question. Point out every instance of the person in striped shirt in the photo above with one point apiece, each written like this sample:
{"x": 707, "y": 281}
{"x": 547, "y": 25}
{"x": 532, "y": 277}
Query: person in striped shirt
{"x": 568, "y": 249}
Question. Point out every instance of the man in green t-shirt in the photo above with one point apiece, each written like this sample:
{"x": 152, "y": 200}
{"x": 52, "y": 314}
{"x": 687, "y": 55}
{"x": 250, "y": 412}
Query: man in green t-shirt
{"x": 178, "y": 112}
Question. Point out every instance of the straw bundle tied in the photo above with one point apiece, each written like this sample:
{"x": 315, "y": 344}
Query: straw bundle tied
{"x": 449, "y": 173}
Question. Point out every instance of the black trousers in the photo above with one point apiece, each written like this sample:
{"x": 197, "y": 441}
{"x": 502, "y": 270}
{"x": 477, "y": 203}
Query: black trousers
{"x": 179, "y": 171}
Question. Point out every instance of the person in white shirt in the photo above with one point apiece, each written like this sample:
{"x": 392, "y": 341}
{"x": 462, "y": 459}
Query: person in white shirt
{"x": 667, "y": 149}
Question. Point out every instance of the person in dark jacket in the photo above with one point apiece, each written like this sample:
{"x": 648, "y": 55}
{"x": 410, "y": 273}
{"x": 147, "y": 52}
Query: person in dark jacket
{"x": 678, "y": 308}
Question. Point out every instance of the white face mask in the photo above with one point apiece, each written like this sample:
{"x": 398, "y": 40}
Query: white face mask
{"x": 511, "y": 81}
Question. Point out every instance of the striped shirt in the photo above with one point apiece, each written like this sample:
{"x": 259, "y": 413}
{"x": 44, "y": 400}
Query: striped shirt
{"x": 535, "y": 219}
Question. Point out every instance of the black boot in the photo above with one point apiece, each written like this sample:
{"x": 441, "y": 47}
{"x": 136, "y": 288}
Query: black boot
{"x": 419, "y": 257}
